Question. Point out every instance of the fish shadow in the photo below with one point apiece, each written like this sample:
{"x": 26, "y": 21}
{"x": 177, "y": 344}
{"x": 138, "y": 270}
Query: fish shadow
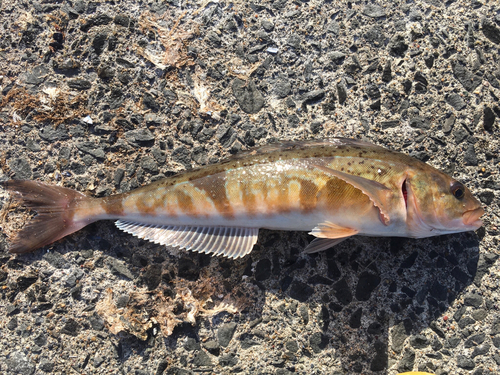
{"x": 368, "y": 305}
{"x": 379, "y": 300}
{"x": 365, "y": 306}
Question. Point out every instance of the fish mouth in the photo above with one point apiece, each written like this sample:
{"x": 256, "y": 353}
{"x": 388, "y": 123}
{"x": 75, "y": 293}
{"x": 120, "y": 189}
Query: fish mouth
{"x": 471, "y": 217}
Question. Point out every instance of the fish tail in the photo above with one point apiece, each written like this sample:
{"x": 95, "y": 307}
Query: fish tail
{"x": 56, "y": 208}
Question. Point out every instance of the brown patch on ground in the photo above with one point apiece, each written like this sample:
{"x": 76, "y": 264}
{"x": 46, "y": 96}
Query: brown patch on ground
{"x": 174, "y": 41}
{"x": 51, "y": 105}
{"x": 3, "y": 162}
{"x": 147, "y": 309}
{"x": 13, "y": 217}
{"x": 133, "y": 318}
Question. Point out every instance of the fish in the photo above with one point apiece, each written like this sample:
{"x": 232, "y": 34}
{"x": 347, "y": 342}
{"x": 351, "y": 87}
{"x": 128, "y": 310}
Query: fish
{"x": 334, "y": 189}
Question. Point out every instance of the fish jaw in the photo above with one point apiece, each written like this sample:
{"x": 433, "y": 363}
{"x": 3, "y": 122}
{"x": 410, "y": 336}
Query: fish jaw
{"x": 471, "y": 218}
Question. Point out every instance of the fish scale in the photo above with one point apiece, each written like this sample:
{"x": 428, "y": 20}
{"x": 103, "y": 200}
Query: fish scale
{"x": 334, "y": 189}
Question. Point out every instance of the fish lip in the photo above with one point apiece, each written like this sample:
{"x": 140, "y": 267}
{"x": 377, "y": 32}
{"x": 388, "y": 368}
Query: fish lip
{"x": 471, "y": 217}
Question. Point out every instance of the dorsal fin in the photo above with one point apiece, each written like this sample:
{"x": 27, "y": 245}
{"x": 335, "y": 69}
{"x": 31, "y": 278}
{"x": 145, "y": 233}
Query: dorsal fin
{"x": 231, "y": 242}
{"x": 302, "y": 145}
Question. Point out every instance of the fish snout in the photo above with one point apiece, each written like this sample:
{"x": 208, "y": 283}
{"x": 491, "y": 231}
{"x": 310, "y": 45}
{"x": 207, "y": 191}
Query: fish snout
{"x": 471, "y": 217}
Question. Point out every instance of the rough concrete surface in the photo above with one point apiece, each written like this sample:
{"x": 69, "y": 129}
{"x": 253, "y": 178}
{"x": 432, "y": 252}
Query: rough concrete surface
{"x": 106, "y": 96}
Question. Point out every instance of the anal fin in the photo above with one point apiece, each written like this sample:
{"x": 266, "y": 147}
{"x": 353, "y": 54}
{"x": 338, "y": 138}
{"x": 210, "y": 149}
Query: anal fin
{"x": 231, "y": 242}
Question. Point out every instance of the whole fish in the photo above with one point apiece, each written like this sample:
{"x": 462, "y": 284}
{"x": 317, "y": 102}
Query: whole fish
{"x": 335, "y": 189}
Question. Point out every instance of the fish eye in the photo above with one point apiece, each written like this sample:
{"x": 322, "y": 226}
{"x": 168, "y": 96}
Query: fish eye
{"x": 458, "y": 190}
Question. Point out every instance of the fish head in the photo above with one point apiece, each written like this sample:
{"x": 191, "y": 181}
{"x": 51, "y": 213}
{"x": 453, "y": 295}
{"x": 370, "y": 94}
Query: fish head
{"x": 438, "y": 204}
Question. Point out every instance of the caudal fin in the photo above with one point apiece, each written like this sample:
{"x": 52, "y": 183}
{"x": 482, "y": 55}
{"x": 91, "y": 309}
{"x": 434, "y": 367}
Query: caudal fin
{"x": 55, "y": 206}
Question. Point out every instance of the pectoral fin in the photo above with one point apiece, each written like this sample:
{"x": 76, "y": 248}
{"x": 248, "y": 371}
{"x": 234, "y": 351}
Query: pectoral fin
{"x": 327, "y": 235}
{"x": 378, "y": 193}
{"x": 332, "y": 231}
